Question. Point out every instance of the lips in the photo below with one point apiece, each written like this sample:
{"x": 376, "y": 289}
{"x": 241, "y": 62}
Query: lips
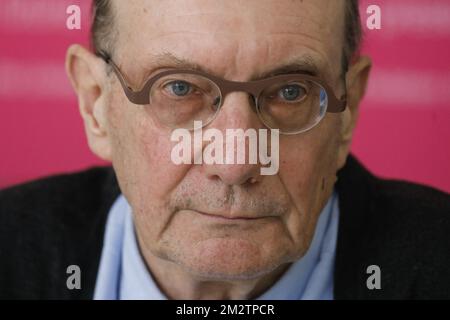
{"x": 232, "y": 218}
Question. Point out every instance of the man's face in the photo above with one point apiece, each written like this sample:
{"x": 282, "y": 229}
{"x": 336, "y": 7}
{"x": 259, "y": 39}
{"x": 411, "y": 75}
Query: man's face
{"x": 192, "y": 215}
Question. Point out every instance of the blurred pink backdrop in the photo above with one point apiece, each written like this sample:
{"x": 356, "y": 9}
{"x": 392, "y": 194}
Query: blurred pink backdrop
{"x": 403, "y": 130}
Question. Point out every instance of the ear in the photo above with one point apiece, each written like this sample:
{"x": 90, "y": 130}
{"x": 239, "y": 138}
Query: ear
{"x": 356, "y": 82}
{"x": 87, "y": 74}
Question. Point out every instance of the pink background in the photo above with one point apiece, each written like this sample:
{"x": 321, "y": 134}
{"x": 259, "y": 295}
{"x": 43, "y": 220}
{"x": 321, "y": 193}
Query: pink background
{"x": 404, "y": 127}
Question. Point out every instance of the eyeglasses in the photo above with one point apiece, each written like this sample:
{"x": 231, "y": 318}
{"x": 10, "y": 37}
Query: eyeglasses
{"x": 292, "y": 103}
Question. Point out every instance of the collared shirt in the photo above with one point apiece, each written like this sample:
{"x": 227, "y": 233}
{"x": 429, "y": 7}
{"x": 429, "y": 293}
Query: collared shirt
{"x": 124, "y": 275}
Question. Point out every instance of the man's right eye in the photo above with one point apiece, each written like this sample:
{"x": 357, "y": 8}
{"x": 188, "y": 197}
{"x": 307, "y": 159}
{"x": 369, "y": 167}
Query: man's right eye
{"x": 292, "y": 93}
{"x": 178, "y": 88}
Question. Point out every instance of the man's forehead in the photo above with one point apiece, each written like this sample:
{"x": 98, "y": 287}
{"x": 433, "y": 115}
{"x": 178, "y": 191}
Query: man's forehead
{"x": 278, "y": 15}
{"x": 185, "y": 27}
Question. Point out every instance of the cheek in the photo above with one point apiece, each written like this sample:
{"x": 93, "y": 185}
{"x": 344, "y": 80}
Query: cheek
{"x": 141, "y": 159}
{"x": 308, "y": 164}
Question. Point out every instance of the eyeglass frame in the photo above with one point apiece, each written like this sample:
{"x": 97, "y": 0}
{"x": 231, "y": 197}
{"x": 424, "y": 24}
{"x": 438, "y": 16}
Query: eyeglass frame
{"x": 254, "y": 88}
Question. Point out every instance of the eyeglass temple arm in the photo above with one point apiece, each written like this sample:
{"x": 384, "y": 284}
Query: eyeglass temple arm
{"x": 134, "y": 96}
{"x": 337, "y": 105}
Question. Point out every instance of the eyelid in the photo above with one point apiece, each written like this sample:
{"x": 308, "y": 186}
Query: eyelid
{"x": 165, "y": 83}
{"x": 305, "y": 85}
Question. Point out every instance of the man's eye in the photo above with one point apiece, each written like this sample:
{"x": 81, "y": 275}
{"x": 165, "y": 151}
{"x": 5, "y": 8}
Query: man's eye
{"x": 291, "y": 93}
{"x": 179, "y": 88}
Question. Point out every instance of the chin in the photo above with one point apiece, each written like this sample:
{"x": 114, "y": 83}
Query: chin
{"x": 225, "y": 259}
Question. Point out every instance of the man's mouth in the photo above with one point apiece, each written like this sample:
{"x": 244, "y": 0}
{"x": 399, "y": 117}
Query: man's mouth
{"x": 226, "y": 217}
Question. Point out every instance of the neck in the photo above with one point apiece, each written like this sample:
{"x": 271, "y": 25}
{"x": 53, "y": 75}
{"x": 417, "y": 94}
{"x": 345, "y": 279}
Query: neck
{"x": 176, "y": 283}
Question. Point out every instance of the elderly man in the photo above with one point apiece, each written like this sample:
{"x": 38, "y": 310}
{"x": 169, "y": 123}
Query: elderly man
{"x": 317, "y": 226}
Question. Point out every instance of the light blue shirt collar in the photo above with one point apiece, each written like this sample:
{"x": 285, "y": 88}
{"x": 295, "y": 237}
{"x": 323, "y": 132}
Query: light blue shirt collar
{"x": 123, "y": 273}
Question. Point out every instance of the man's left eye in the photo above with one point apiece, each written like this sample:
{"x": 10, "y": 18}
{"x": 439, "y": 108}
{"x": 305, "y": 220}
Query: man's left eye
{"x": 180, "y": 88}
{"x": 292, "y": 92}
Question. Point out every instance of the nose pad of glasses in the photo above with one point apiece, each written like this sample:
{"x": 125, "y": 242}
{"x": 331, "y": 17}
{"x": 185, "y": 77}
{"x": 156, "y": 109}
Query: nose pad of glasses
{"x": 216, "y": 103}
{"x": 252, "y": 101}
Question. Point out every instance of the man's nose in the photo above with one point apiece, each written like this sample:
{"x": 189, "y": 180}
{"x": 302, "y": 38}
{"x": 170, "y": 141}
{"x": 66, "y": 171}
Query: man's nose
{"x": 237, "y": 115}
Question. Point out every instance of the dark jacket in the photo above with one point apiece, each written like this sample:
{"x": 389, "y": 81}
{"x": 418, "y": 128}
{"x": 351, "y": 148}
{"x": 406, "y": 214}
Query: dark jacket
{"x": 403, "y": 228}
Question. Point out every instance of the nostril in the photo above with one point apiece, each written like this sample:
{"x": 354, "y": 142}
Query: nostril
{"x": 214, "y": 177}
{"x": 252, "y": 180}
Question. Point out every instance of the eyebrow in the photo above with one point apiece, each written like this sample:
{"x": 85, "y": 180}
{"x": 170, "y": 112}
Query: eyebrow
{"x": 303, "y": 64}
